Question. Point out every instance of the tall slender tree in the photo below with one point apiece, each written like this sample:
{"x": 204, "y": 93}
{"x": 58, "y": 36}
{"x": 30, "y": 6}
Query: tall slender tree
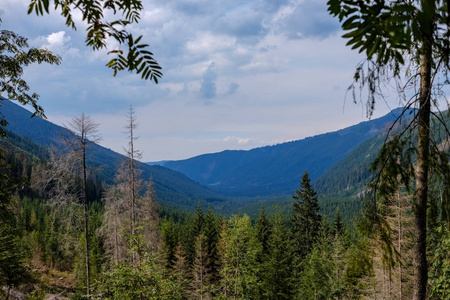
{"x": 306, "y": 220}
{"x": 263, "y": 230}
{"x": 132, "y": 155}
{"x": 86, "y": 131}
{"x": 390, "y": 32}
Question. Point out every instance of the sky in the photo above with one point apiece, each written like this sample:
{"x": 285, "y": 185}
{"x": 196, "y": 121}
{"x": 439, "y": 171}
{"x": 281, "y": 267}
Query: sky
{"x": 238, "y": 74}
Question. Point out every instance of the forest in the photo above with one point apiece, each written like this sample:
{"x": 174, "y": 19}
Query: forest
{"x": 66, "y": 233}
{"x": 138, "y": 249}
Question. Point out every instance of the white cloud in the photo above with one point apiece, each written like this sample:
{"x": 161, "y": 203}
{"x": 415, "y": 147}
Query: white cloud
{"x": 279, "y": 73}
{"x": 56, "y": 41}
{"x": 238, "y": 140}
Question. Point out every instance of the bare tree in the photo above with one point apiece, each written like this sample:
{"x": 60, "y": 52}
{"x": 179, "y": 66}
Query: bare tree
{"x": 113, "y": 224}
{"x": 56, "y": 181}
{"x": 86, "y": 132}
{"x": 133, "y": 155}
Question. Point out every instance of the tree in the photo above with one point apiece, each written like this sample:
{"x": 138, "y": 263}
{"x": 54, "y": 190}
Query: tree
{"x": 15, "y": 54}
{"x": 12, "y": 269}
{"x": 86, "y": 131}
{"x": 263, "y": 230}
{"x": 239, "y": 247}
{"x": 99, "y": 30}
{"x": 132, "y": 174}
{"x": 388, "y": 32}
{"x": 113, "y": 224}
{"x": 200, "y": 269}
{"x": 277, "y": 273}
{"x": 306, "y": 220}
{"x": 180, "y": 270}
{"x": 211, "y": 232}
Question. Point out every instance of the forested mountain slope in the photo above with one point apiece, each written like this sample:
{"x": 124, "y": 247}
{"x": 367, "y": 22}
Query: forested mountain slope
{"x": 350, "y": 176}
{"x": 276, "y": 170}
{"x": 171, "y": 187}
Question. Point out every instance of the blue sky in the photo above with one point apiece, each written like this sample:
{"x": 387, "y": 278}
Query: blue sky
{"x": 237, "y": 75}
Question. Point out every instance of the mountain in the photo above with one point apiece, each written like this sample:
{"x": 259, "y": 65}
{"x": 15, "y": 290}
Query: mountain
{"x": 172, "y": 188}
{"x": 276, "y": 170}
{"x": 349, "y": 177}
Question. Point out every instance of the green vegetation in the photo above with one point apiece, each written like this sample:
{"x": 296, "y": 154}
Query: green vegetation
{"x": 68, "y": 230}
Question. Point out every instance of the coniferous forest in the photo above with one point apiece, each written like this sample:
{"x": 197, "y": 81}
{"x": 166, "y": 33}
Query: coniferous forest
{"x": 139, "y": 249}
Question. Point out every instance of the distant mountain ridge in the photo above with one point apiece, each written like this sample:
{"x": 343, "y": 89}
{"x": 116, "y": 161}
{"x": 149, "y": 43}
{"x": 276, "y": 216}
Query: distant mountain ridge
{"x": 276, "y": 170}
{"x": 171, "y": 187}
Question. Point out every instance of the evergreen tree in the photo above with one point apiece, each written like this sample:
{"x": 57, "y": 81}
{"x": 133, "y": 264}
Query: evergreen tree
{"x": 180, "y": 272}
{"x": 199, "y": 283}
{"x": 337, "y": 224}
{"x": 192, "y": 231}
{"x": 263, "y": 230}
{"x": 170, "y": 237}
{"x": 199, "y": 221}
{"x": 277, "y": 265}
{"x": 211, "y": 232}
{"x": 306, "y": 220}
{"x": 12, "y": 269}
{"x": 240, "y": 269}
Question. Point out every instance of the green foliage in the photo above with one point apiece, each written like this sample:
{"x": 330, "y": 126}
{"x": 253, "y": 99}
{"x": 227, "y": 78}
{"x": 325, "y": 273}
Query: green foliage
{"x": 277, "y": 263}
{"x": 263, "y": 230}
{"x": 440, "y": 266}
{"x": 306, "y": 220}
{"x": 15, "y": 54}
{"x": 99, "y": 29}
{"x": 211, "y": 232}
{"x": 145, "y": 280}
{"x": 239, "y": 270}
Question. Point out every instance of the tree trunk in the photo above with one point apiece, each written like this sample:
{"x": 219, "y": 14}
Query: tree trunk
{"x": 423, "y": 158}
{"x": 400, "y": 244}
{"x": 86, "y": 229}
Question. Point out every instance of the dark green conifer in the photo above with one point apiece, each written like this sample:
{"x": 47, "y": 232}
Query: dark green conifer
{"x": 306, "y": 220}
{"x": 263, "y": 230}
{"x": 337, "y": 224}
{"x": 211, "y": 232}
{"x": 278, "y": 271}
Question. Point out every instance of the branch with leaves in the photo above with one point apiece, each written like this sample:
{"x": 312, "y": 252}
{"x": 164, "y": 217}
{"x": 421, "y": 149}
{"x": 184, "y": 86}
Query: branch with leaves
{"x": 137, "y": 58}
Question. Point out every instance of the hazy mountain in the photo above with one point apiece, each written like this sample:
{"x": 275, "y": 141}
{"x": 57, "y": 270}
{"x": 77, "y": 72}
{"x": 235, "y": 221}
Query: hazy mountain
{"x": 276, "y": 170}
{"x": 171, "y": 187}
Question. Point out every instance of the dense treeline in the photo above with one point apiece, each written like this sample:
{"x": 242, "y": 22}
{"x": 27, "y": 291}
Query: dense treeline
{"x": 141, "y": 251}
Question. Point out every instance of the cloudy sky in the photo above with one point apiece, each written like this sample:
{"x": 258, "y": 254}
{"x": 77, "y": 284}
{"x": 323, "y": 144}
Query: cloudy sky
{"x": 238, "y": 74}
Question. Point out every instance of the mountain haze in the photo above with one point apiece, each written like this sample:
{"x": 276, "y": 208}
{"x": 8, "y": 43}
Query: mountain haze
{"x": 276, "y": 170}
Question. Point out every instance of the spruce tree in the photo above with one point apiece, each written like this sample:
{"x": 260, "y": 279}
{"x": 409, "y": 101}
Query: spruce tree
{"x": 211, "y": 232}
{"x": 277, "y": 272}
{"x": 306, "y": 220}
{"x": 263, "y": 230}
{"x": 199, "y": 283}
